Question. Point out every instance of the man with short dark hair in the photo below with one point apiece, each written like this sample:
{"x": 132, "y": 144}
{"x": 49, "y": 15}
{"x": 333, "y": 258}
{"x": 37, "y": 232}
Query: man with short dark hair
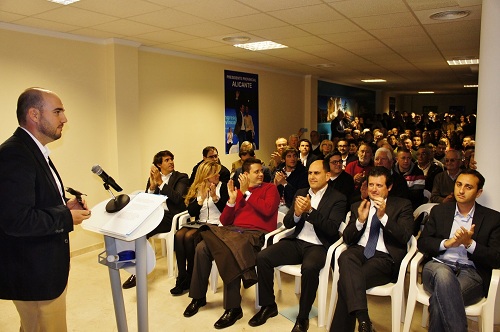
{"x": 463, "y": 240}
{"x": 250, "y": 212}
{"x": 339, "y": 179}
{"x": 413, "y": 175}
{"x": 316, "y": 215}
{"x": 343, "y": 147}
{"x": 315, "y": 143}
{"x": 306, "y": 157}
{"x": 211, "y": 153}
{"x": 377, "y": 235}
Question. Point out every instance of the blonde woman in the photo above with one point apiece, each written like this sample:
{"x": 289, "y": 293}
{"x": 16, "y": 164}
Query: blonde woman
{"x": 205, "y": 201}
{"x": 326, "y": 147}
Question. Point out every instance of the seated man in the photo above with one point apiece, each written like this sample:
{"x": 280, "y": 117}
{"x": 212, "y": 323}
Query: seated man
{"x": 426, "y": 163}
{"x": 306, "y": 157}
{"x": 211, "y": 153}
{"x": 377, "y": 235}
{"x": 281, "y": 144}
{"x": 316, "y": 215}
{"x": 413, "y": 175}
{"x": 244, "y": 148}
{"x": 444, "y": 182}
{"x": 383, "y": 157}
{"x": 343, "y": 147}
{"x": 251, "y": 211}
{"x": 164, "y": 180}
{"x": 358, "y": 169}
{"x": 462, "y": 239}
{"x": 315, "y": 142}
{"x": 290, "y": 176}
{"x": 339, "y": 179}
{"x": 244, "y": 155}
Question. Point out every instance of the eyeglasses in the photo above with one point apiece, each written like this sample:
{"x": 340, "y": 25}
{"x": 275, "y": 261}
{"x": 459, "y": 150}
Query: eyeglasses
{"x": 451, "y": 160}
{"x": 336, "y": 162}
{"x": 215, "y": 156}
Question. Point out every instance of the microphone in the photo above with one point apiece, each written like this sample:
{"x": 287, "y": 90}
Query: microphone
{"x": 96, "y": 169}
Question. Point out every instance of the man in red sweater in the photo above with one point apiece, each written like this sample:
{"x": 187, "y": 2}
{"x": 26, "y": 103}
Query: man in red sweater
{"x": 251, "y": 211}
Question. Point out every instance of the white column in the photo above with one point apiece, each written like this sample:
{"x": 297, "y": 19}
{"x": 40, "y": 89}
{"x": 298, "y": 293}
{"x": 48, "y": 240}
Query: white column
{"x": 488, "y": 103}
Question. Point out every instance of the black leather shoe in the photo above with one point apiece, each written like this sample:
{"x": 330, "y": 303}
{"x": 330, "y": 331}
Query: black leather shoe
{"x": 263, "y": 315}
{"x": 229, "y": 317}
{"x": 301, "y": 325}
{"x": 181, "y": 286}
{"x": 194, "y": 306}
{"x": 130, "y": 282}
{"x": 365, "y": 327}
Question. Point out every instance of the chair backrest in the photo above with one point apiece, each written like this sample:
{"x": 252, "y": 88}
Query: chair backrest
{"x": 281, "y": 216}
{"x": 424, "y": 208}
{"x": 412, "y": 250}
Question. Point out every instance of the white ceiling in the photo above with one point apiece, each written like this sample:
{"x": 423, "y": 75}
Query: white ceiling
{"x": 338, "y": 40}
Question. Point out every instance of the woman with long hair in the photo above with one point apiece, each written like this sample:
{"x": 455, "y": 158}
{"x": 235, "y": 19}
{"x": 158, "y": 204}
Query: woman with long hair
{"x": 205, "y": 201}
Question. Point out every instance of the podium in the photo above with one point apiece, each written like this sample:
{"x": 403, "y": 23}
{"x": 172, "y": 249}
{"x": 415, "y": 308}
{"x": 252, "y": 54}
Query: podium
{"x": 143, "y": 251}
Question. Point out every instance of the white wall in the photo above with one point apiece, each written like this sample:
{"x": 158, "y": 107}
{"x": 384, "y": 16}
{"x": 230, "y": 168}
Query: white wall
{"x": 126, "y": 103}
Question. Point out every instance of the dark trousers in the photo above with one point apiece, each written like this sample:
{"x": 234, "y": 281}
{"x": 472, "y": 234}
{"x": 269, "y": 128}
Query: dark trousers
{"x": 357, "y": 274}
{"x": 201, "y": 272}
{"x": 291, "y": 252}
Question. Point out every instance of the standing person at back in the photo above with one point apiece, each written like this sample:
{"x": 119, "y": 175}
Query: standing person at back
{"x": 35, "y": 216}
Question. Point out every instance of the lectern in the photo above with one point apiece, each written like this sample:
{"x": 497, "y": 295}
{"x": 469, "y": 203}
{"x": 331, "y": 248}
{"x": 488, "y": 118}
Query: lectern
{"x": 144, "y": 257}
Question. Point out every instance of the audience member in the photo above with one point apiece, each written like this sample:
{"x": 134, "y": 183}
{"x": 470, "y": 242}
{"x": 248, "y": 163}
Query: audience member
{"x": 316, "y": 216}
{"x": 244, "y": 148}
{"x": 444, "y": 182}
{"x": 384, "y": 157}
{"x": 343, "y": 147}
{"x": 377, "y": 235}
{"x": 306, "y": 157}
{"x": 463, "y": 241}
{"x": 339, "y": 179}
{"x": 338, "y": 126}
{"x": 428, "y": 167}
{"x": 251, "y": 211}
{"x": 211, "y": 153}
{"x": 326, "y": 148}
{"x": 281, "y": 144}
{"x": 315, "y": 143}
{"x": 293, "y": 141}
{"x": 413, "y": 175}
{"x": 358, "y": 169}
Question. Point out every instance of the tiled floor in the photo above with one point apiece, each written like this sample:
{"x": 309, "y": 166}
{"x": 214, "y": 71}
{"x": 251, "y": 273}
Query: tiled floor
{"x": 90, "y": 305}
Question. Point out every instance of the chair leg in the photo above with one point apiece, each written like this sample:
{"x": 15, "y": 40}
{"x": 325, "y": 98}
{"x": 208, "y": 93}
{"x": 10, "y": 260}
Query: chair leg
{"x": 297, "y": 284}
{"x": 169, "y": 248}
{"x": 397, "y": 307}
{"x": 425, "y": 316}
{"x": 214, "y": 278}
{"x": 410, "y": 307}
{"x": 278, "y": 277}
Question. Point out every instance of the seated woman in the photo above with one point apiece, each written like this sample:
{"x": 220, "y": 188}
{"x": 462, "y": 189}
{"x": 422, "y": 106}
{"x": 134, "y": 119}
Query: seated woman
{"x": 205, "y": 200}
{"x": 326, "y": 147}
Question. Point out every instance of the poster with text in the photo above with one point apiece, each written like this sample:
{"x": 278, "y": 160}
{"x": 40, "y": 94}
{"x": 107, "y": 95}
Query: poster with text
{"x": 241, "y": 110}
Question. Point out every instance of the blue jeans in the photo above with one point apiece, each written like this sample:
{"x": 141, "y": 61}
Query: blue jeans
{"x": 450, "y": 293}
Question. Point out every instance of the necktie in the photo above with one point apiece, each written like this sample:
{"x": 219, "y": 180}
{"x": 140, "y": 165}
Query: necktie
{"x": 371, "y": 244}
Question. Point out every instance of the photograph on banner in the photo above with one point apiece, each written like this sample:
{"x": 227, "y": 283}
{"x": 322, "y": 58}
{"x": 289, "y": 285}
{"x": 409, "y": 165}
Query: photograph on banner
{"x": 241, "y": 110}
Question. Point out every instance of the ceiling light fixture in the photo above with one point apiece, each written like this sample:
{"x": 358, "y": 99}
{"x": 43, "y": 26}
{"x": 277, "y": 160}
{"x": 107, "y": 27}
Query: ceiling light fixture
{"x": 426, "y": 92}
{"x": 461, "y": 62}
{"x": 374, "y": 80}
{"x": 471, "y": 85}
{"x": 64, "y": 2}
{"x": 450, "y": 15}
{"x": 236, "y": 39}
{"x": 260, "y": 46}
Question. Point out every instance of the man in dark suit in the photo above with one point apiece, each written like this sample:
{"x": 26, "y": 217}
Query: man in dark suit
{"x": 306, "y": 157}
{"x": 35, "y": 216}
{"x": 316, "y": 214}
{"x": 463, "y": 240}
{"x": 377, "y": 235}
{"x": 338, "y": 126}
{"x": 164, "y": 180}
{"x": 339, "y": 179}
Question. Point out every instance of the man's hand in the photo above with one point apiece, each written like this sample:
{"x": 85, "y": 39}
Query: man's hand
{"x": 364, "y": 190}
{"x": 154, "y": 178}
{"x": 302, "y": 204}
{"x": 359, "y": 178}
{"x": 244, "y": 182}
{"x": 78, "y": 213}
{"x": 363, "y": 210}
{"x": 276, "y": 157}
{"x": 280, "y": 178}
{"x": 232, "y": 192}
{"x": 461, "y": 236}
{"x": 379, "y": 204}
{"x": 449, "y": 198}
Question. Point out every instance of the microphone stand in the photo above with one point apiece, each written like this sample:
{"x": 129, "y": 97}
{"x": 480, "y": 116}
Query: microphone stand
{"x": 117, "y": 202}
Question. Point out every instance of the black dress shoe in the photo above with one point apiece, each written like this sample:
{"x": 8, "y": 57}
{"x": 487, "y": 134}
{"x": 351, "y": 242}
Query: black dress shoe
{"x": 130, "y": 282}
{"x": 301, "y": 325}
{"x": 229, "y": 317}
{"x": 365, "y": 327}
{"x": 263, "y": 315}
{"x": 193, "y": 307}
{"x": 181, "y": 286}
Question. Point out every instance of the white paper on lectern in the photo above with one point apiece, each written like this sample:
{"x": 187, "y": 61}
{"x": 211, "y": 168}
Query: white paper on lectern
{"x": 125, "y": 221}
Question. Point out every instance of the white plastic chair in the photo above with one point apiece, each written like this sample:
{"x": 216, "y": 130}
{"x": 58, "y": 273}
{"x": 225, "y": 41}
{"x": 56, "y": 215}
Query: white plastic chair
{"x": 424, "y": 208}
{"x": 485, "y": 309}
{"x": 167, "y": 240}
{"x": 394, "y": 290}
{"x": 324, "y": 273}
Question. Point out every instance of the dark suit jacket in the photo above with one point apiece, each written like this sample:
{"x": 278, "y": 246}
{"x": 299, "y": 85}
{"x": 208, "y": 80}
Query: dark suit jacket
{"x": 345, "y": 184}
{"x": 326, "y": 219}
{"x": 34, "y": 224}
{"x": 431, "y": 174}
{"x": 397, "y": 231}
{"x": 176, "y": 189}
{"x": 486, "y": 256}
{"x": 310, "y": 158}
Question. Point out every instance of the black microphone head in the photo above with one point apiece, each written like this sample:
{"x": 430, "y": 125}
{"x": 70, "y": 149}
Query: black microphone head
{"x": 96, "y": 169}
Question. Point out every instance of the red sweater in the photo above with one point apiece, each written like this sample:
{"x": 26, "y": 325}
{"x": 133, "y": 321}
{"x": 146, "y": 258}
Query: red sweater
{"x": 260, "y": 211}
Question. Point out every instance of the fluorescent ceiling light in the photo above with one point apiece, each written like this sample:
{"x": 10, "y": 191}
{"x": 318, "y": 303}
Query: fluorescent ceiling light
{"x": 374, "y": 80}
{"x": 460, "y": 62}
{"x": 426, "y": 92}
{"x": 471, "y": 86}
{"x": 450, "y": 15}
{"x": 260, "y": 46}
{"x": 64, "y": 2}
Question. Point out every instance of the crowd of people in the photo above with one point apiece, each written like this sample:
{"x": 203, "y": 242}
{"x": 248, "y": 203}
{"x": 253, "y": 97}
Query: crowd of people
{"x": 378, "y": 169}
